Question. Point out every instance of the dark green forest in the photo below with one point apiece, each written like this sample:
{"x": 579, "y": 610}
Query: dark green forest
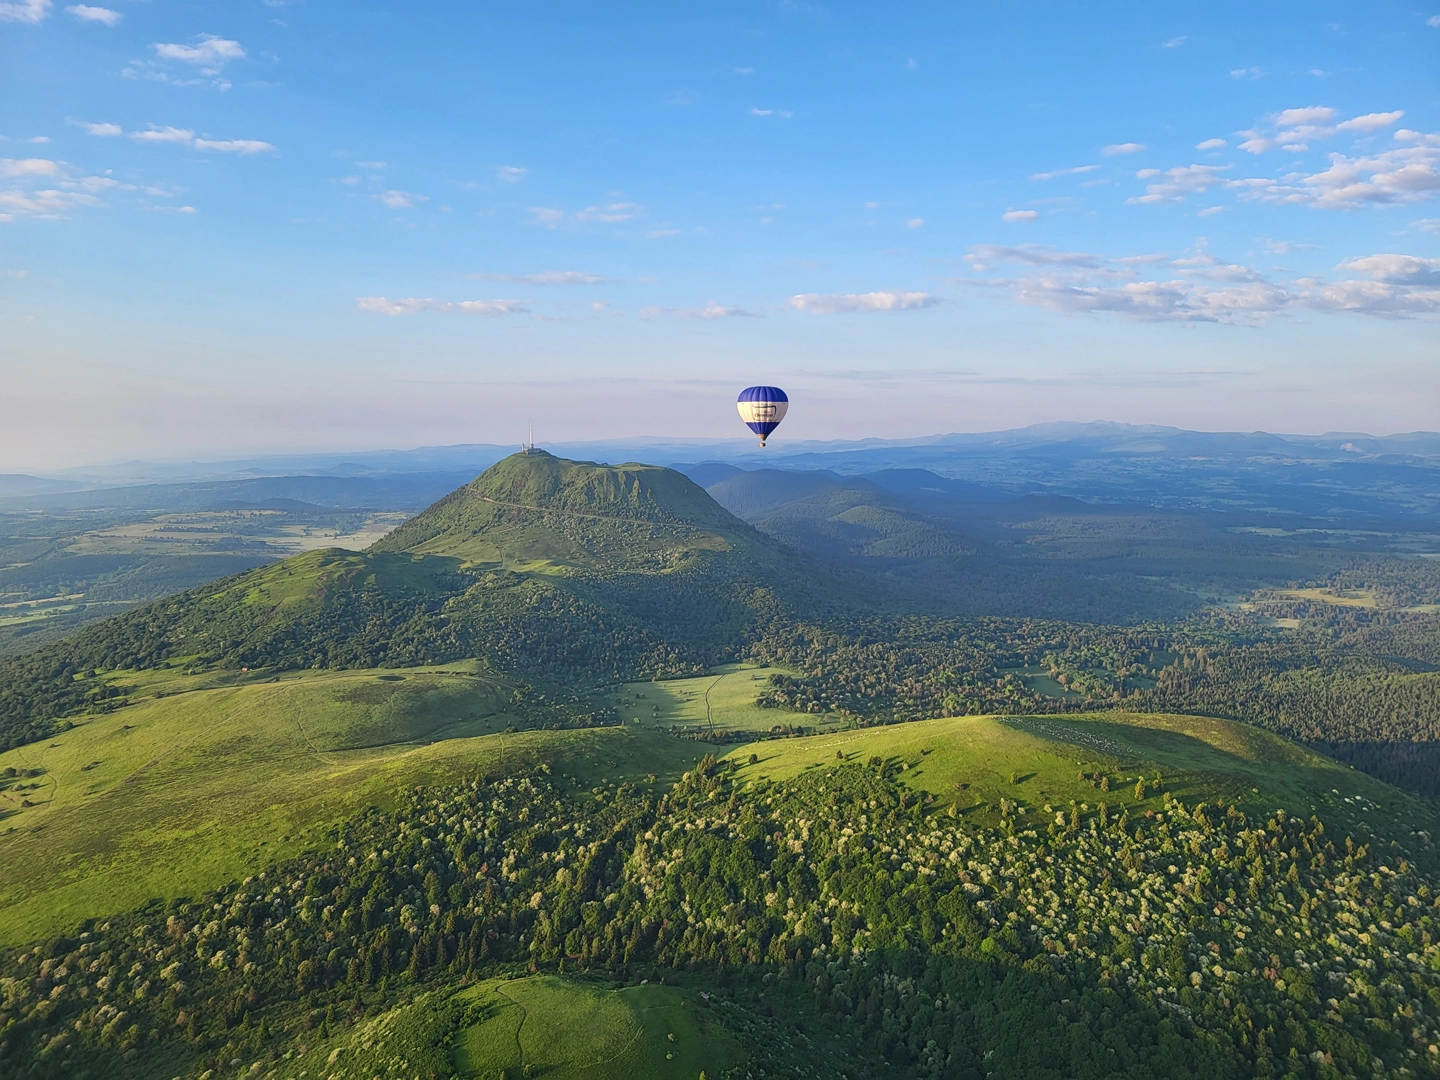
{"x": 1085, "y": 942}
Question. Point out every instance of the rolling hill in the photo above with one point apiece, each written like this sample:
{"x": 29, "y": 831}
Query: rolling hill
{"x": 1017, "y": 897}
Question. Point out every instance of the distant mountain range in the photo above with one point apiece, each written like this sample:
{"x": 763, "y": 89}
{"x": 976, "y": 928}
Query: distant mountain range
{"x": 1337, "y": 474}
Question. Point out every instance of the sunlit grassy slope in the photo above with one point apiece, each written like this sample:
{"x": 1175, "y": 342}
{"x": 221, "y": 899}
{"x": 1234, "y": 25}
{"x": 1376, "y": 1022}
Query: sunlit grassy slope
{"x": 501, "y": 1029}
{"x": 565, "y": 1030}
{"x": 973, "y": 762}
{"x": 183, "y": 792}
{"x": 209, "y": 778}
{"x": 724, "y": 700}
{"x": 538, "y": 513}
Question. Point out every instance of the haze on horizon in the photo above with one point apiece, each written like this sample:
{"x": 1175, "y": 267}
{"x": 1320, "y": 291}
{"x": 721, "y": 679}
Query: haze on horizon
{"x": 266, "y": 226}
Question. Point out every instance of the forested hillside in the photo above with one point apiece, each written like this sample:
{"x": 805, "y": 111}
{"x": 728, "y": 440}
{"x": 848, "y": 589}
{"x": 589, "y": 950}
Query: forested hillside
{"x": 839, "y": 925}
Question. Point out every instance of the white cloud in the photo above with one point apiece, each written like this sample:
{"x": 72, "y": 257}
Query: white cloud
{"x": 164, "y": 135}
{"x": 842, "y": 303}
{"x": 1177, "y": 183}
{"x": 39, "y": 140}
{"x": 1430, "y": 225}
{"x": 1212, "y": 144}
{"x": 210, "y": 53}
{"x": 709, "y": 312}
{"x": 97, "y": 183}
{"x": 380, "y": 305}
{"x": 86, "y": 13}
{"x": 1019, "y": 215}
{"x": 1309, "y": 116}
{"x": 184, "y": 137}
{"x": 660, "y": 234}
{"x": 1123, "y": 148}
{"x": 1407, "y": 173}
{"x": 234, "y": 146}
{"x": 24, "y": 11}
{"x": 1293, "y": 129}
{"x": 400, "y": 200}
{"x": 1371, "y": 121}
{"x": 1063, "y": 172}
{"x": 915, "y": 223}
{"x": 373, "y": 166}
{"x": 511, "y": 174}
{"x": 783, "y": 114}
{"x": 613, "y": 212}
{"x": 105, "y": 131}
{"x": 1029, "y": 255}
{"x": 1434, "y": 20}
{"x": 1175, "y": 42}
{"x": 1251, "y": 73}
{"x": 1199, "y": 287}
{"x": 29, "y": 167}
{"x": 62, "y": 192}
{"x": 547, "y": 216}
{"x": 48, "y": 203}
{"x": 1371, "y": 298}
{"x": 1396, "y": 269}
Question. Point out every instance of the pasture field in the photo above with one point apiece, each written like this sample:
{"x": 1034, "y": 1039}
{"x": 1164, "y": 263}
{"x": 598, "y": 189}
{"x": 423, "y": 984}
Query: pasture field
{"x": 507, "y": 1029}
{"x": 972, "y": 762}
{"x": 723, "y": 700}
{"x": 571, "y": 1031}
{"x": 211, "y": 778}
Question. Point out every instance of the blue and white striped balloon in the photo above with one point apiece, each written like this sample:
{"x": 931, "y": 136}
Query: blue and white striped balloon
{"x": 762, "y": 408}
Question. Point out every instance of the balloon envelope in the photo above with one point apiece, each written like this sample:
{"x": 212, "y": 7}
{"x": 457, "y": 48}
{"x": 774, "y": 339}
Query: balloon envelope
{"x": 762, "y": 408}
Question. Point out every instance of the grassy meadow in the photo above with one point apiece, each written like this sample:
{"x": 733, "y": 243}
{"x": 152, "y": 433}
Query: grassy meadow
{"x": 723, "y": 700}
{"x": 207, "y": 779}
{"x": 973, "y": 762}
{"x": 197, "y": 784}
{"x": 571, "y": 1031}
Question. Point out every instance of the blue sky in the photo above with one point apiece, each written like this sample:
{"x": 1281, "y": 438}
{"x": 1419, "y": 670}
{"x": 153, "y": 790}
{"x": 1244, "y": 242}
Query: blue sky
{"x": 259, "y": 225}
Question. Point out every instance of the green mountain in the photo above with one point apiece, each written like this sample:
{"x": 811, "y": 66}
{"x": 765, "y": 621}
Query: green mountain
{"x": 535, "y": 508}
{"x": 541, "y": 567}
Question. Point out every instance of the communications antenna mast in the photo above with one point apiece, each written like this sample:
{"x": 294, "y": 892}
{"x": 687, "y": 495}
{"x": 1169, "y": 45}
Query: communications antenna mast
{"x": 529, "y": 446}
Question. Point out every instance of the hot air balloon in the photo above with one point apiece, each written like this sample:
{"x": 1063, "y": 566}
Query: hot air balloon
{"x": 762, "y": 408}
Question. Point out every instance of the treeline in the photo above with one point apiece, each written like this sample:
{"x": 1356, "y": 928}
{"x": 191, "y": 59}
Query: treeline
{"x": 1144, "y": 941}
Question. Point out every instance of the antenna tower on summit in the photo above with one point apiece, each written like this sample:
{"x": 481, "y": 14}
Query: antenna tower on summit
{"x": 529, "y": 446}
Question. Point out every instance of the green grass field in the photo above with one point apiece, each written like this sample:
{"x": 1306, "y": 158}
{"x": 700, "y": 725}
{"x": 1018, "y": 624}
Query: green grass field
{"x": 205, "y": 784}
{"x": 723, "y": 700}
{"x": 972, "y": 762}
{"x": 570, "y": 1031}
{"x": 507, "y": 1029}
{"x": 209, "y": 778}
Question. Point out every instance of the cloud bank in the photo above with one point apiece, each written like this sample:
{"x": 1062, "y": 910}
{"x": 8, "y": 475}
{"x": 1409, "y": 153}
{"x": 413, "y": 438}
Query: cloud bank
{"x": 381, "y": 305}
{"x": 1199, "y": 287}
{"x": 852, "y": 303}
